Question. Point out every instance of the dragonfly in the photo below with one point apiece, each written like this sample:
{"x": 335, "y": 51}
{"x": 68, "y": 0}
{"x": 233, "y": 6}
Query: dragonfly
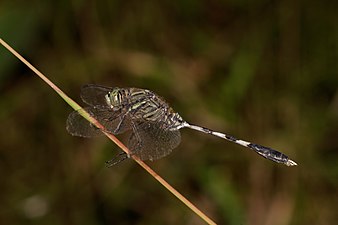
{"x": 153, "y": 127}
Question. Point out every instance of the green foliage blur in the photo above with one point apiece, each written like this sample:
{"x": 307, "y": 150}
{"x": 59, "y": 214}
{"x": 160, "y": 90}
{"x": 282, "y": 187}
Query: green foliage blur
{"x": 264, "y": 71}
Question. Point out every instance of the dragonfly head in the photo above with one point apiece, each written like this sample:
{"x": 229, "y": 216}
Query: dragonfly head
{"x": 113, "y": 98}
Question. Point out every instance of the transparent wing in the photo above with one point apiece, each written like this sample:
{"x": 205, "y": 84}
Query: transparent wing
{"x": 78, "y": 126}
{"x": 94, "y": 95}
{"x": 115, "y": 122}
{"x": 149, "y": 141}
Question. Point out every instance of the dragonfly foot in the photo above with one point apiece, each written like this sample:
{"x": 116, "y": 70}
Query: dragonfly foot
{"x": 117, "y": 159}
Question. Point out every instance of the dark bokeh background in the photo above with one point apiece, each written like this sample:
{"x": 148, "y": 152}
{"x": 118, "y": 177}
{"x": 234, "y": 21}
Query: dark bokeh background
{"x": 265, "y": 71}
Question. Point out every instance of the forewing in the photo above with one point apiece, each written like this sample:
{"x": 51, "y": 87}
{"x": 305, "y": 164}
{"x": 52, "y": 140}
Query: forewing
{"x": 78, "y": 126}
{"x": 114, "y": 122}
{"x": 94, "y": 95}
{"x": 149, "y": 141}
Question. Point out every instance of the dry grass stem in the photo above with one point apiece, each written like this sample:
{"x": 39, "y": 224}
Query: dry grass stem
{"x": 86, "y": 115}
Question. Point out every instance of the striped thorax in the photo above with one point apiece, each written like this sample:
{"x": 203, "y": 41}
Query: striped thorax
{"x": 144, "y": 105}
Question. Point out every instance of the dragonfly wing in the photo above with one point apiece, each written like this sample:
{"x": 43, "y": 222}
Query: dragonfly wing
{"x": 94, "y": 95}
{"x": 149, "y": 141}
{"x": 115, "y": 122}
{"x": 77, "y": 125}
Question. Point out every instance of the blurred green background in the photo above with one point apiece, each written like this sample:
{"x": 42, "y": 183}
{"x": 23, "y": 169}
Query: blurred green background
{"x": 264, "y": 71}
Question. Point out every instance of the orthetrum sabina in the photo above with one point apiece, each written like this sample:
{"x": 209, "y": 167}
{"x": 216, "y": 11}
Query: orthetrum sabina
{"x": 153, "y": 124}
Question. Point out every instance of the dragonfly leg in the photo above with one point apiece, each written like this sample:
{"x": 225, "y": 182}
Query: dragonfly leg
{"x": 117, "y": 129}
{"x": 136, "y": 146}
{"x": 117, "y": 159}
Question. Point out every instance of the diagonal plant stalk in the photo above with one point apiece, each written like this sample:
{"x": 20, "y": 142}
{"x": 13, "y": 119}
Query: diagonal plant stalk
{"x": 87, "y": 116}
